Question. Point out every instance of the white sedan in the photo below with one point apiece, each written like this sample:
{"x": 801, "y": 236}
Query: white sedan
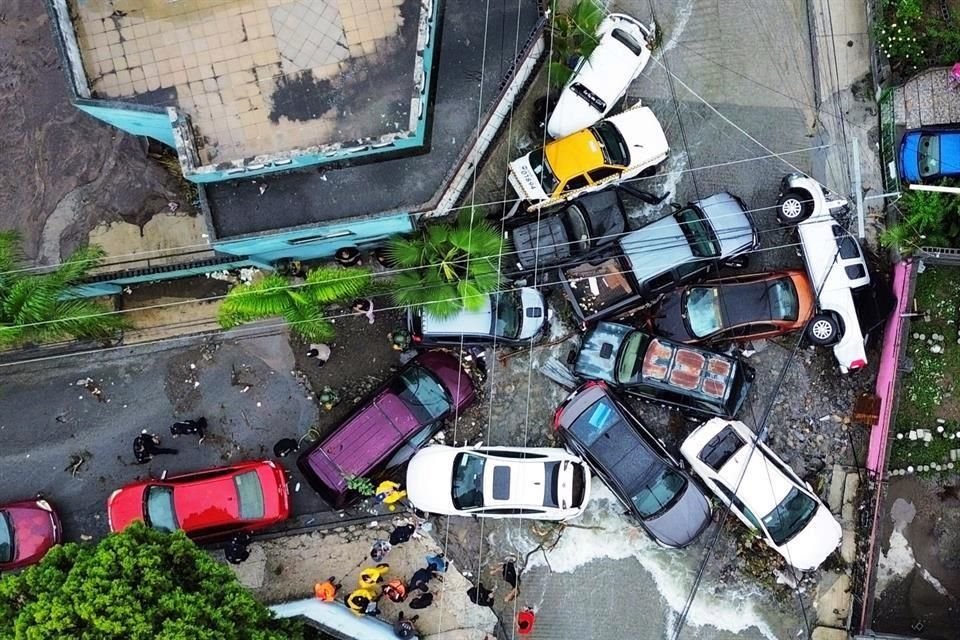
{"x": 763, "y": 491}
{"x": 498, "y": 482}
{"x": 599, "y": 81}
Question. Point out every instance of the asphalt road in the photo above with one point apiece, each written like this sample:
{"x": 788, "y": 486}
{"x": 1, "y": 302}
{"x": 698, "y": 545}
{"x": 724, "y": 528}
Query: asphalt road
{"x": 49, "y": 413}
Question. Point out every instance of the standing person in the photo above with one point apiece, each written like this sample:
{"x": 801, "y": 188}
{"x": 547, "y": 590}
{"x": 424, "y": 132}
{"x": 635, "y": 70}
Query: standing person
{"x": 389, "y": 492}
{"x": 421, "y": 578}
{"x": 364, "y": 308}
{"x": 480, "y": 595}
{"x": 348, "y": 257}
{"x": 438, "y": 562}
{"x": 237, "y": 549}
{"x": 402, "y": 534}
{"x": 525, "y": 620}
{"x": 284, "y": 447}
{"x": 422, "y": 601}
{"x": 189, "y": 427}
{"x": 404, "y": 627}
{"x": 379, "y": 550}
{"x": 320, "y": 351}
{"x": 146, "y": 445}
{"x": 326, "y": 591}
{"x": 372, "y": 576}
{"x": 362, "y": 601}
{"x": 508, "y": 571}
{"x": 395, "y": 590}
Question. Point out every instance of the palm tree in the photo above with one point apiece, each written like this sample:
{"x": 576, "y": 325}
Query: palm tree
{"x": 573, "y": 34}
{"x": 38, "y": 307}
{"x": 302, "y": 305}
{"x": 448, "y": 267}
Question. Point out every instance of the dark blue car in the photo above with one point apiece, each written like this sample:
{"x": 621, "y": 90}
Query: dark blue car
{"x": 928, "y": 154}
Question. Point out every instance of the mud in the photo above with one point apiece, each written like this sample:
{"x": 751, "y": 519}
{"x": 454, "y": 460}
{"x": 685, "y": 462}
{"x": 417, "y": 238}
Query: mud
{"x": 62, "y": 172}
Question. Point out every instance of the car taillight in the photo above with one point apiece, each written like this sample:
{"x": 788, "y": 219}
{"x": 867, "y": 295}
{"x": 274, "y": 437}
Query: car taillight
{"x": 857, "y": 364}
{"x": 43, "y": 504}
{"x": 558, "y": 413}
{"x": 417, "y": 338}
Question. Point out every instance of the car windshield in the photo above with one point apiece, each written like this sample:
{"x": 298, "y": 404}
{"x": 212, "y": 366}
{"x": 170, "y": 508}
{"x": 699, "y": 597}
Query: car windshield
{"x": 613, "y": 145}
{"x": 422, "y": 394}
{"x": 6, "y": 538}
{"x": 659, "y": 493}
{"x": 540, "y": 166}
{"x": 160, "y": 514}
{"x": 697, "y": 232}
{"x": 251, "y": 495}
{"x": 703, "y": 311}
{"x": 630, "y": 364}
{"x": 468, "y": 481}
{"x": 790, "y": 516}
{"x": 508, "y": 308}
{"x": 784, "y": 304}
{"x": 928, "y": 155}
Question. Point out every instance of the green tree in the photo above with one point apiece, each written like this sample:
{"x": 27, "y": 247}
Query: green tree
{"x": 303, "y": 305}
{"x": 928, "y": 219}
{"x": 36, "y": 307}
{"x": 573, "y": 34}
{"x": 137, "y": 585}
{"x": 447, "y": 267}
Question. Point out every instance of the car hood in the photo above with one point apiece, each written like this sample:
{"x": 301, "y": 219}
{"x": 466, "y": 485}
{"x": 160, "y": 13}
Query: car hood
{"x": 430, "y": 479}
{"x": 534, "y": 309}
{"x": 656, "y": 248}
{"x": 810, "y": 547}
{"x": 910, "y": 157}
{"x": 668, "y": 321}
{"x": 730, "y": 222}
{"x": 643, "y": 134}
{"x": 596, "y": 361}
{"x": 36, "y": 530}
{"x": 125, "y": 506}
{"x": 683, "y": 522}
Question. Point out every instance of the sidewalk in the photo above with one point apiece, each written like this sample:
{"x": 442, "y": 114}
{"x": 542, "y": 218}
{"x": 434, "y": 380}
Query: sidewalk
{"x": 287, "y": 569}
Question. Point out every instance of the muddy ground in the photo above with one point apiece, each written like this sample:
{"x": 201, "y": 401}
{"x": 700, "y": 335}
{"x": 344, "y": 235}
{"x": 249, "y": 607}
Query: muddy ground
{"x": 61, "y": 171}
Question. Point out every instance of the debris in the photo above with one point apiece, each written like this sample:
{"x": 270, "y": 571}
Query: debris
{"x": 85, "y": 537}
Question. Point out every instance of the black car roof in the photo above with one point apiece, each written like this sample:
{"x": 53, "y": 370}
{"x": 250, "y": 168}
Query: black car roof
{"x": 745, "y": 302}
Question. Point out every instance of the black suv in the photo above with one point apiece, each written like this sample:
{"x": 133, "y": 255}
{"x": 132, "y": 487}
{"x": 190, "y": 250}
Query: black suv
{"x": 699, "y": 381}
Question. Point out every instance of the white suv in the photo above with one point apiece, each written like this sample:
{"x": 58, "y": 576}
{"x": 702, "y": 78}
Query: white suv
{"x": 763, "y": 492}
{"x": 836, "y": 267}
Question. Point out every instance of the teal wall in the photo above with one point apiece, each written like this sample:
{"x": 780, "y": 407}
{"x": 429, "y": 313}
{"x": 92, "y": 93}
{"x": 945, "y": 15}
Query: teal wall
{"x": 140, "y": 121}
{"x": 115, "y": 285}
{"x": 316, "y": 242}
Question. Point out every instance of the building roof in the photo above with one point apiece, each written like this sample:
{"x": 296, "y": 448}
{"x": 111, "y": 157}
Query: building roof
{"x": 468, "y": 81}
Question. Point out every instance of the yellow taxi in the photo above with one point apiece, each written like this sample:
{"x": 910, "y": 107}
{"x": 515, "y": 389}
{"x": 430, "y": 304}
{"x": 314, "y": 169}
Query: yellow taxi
{"x": 591, "y": 159}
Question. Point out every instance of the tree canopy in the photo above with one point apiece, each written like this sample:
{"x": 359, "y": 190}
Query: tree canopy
{"x": 140, "y": 584}
{"x": 35, "y": 307}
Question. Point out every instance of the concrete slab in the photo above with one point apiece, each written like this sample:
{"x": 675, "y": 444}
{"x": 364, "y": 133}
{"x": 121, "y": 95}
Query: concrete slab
{"x": 252, "y": 571}
{"x": 850, "y": 486}
{"x": 828, "y": 633}
{"x": 835, "y": 498}
{"x": 833, "y": 600}
{"x": 848, "y": 546}
{"x": 166, "y": 238}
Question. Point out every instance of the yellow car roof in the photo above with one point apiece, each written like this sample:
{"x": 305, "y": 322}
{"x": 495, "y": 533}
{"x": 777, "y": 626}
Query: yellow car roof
{"x": 573, "y": 155}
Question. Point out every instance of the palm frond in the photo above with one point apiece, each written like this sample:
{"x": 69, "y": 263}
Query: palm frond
{"x": 265, "y": 298}
{"x": 28, "y": 300}
{"x": 437, "y": 234}
{"x": 11, "y": 256}
{"x": 326, "y": 285}
{"x": 310, "y": 322}
{"x": 405, "y": 253}
{"x": 76, "y": 266}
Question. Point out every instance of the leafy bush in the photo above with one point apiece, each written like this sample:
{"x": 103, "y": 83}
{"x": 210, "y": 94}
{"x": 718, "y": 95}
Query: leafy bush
{"x": 928, "y": 219}
{"x": 572, "y": 35}
{"x": 137, "y": 585}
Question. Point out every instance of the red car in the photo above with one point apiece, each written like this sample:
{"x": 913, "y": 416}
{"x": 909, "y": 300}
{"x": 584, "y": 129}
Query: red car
{"x": 206, "y": 504}
{"x": 27, "y": 531}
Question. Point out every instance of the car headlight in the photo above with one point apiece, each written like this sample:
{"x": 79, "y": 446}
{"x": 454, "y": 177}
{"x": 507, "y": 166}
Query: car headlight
{"x": 43, "y": 504}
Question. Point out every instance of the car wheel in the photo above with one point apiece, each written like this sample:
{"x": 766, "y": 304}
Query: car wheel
{"x": 823, "y": 330}
{"x": 794, "y": 206}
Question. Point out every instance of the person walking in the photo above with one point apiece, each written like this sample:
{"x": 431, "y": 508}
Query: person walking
{"x": 480, "y": 595}
{"x": 348, "y": 257}
{"x": 525, "y": 620}
{"x": 364, "y": 308}
{"x": 508, "y": 571}
{"x": 238, "y": 548}
{"x": 190, "y": 427}
{"x": 147, "y": 445}
{"x": 372, "y": 576}
{"x": 404, "y": 627}
{"x": 422, "y": 577}
{"x": 402, "y": 534}
{"x": 422, "y": 601}
{"x": 320, "y": 351}
{"x": 326, "y": 591}
{"x": 362, "y": 601}
{"x": 437, "y": 562}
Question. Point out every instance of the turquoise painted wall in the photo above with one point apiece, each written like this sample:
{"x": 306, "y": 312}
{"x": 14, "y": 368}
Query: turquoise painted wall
{"x": 140, "y": 121}
{"x": 316, "y": 242}
{"x": 116, "y": 285}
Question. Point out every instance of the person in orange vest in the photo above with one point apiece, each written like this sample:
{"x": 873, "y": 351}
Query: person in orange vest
{"x": 372, "y": 576}
{"x": 525, "y": 620}
{"x": 395, "y": 590}
{"x": 327, "y": 590}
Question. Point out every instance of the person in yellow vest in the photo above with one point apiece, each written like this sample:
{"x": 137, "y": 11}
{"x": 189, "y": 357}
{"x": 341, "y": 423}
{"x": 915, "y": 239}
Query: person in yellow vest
{"x": 362, "y": 601}
{"x": 372, "y": 576}
{"x": 389, "y": 493}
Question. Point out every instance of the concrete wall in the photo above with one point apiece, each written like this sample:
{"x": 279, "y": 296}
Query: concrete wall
{"x": 153, "y": 122}
{"x": 66, "y": 39}
{"x": 316, "y": 242}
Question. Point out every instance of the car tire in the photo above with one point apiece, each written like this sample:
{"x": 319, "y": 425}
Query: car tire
{"x": 823, "y": 330}
{"x": 794, "y": 206}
